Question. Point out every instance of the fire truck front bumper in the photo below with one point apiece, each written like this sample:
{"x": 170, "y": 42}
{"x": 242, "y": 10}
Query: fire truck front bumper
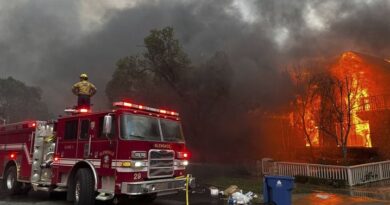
{"x": 160, "y": 187}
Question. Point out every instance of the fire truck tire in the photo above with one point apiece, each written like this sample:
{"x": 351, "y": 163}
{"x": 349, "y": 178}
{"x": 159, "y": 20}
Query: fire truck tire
{"x": 10, "y": 185}
{"x": 84, "y": 191}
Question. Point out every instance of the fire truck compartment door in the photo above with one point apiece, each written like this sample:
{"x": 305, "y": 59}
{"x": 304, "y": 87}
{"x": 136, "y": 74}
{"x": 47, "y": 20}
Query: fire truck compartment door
{"x": 44, "y": 146}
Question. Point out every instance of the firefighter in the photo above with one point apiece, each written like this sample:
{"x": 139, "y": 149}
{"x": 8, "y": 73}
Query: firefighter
{"x": 84, "y": 90}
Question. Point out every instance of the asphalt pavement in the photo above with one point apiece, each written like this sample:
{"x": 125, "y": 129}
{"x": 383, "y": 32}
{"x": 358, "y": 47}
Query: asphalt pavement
{"x": 42, "y": 198}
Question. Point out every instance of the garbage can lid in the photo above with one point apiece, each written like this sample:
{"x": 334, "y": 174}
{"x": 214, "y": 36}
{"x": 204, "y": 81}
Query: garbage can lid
{"x": 279, "y": 177}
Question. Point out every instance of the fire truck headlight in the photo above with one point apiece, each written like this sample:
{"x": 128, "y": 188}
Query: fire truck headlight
{"x": 185, "y": 163}
{"x": 139, "y": 164}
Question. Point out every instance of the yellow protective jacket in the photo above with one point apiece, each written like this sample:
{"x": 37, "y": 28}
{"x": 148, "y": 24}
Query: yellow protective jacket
{"x": 84, "y": 87}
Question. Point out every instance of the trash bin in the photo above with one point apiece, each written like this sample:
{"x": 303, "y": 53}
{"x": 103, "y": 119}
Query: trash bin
{"x": 277, "y": 189}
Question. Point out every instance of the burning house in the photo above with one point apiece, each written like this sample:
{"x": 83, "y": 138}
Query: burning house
{"x": 350, "y": 107}
{"x": 343, "y": 105}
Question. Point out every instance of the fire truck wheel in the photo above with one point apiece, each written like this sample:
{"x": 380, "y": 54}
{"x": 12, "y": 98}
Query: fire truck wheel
{"x": 10, "y": 184}
{"x": 84, "y": 191}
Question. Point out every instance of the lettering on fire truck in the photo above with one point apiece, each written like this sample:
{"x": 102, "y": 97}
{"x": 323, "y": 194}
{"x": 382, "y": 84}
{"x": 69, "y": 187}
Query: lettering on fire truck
{"x": 162, "y": 146}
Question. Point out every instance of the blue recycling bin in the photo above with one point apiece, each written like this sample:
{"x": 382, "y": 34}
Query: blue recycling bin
{"x": 277, "y": 189}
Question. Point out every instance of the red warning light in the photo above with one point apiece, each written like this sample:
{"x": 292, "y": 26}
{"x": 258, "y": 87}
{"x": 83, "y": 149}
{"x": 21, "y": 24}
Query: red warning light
{"x": 163, "y": 111}
{"x": 31, "y": 125}
{"x": 183, "y": 155}
{"x": 12, "y": 156}
{"x": 126, "y": 104}
{"x": 83, "y": 110}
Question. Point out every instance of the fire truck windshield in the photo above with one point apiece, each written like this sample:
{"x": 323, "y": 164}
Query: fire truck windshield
{"x": 138, "y": 127}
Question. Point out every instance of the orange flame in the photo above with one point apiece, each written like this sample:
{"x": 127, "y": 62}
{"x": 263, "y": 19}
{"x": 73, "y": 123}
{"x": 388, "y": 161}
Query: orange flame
{"x": 352, "y": 65}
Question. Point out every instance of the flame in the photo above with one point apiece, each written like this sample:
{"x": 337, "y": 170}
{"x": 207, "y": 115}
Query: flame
{"x": 312, "y": 124}
{"x": 352, "y": 65}
{"x": 310, "y": 112}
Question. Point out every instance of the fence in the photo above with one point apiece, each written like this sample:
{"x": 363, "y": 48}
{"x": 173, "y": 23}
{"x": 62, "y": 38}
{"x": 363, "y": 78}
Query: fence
{"x": 353, "y": 175}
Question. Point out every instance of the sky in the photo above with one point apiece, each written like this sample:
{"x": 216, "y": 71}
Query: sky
{"x": 48, "y": 43}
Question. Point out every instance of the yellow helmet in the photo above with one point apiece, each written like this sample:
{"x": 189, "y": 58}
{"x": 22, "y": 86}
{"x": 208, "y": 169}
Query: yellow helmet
{"x": 84, "y": 76}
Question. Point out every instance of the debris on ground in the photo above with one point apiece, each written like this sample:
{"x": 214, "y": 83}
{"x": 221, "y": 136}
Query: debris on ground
{"x": 234, "y": 195}
{"x": 230, "y": 190}
{"x": 214, "y": 191}
{"x": 241, "y": 198}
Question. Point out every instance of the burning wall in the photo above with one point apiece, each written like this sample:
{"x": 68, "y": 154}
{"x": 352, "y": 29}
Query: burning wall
{"x": 369, "y": 79}
{"x": 353, "y": 66}
{"x": 374, "y": 108}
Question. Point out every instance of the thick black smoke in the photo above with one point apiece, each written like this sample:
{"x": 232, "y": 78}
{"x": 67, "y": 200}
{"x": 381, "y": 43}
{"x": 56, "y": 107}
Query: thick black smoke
{"x": 48, "y": 43}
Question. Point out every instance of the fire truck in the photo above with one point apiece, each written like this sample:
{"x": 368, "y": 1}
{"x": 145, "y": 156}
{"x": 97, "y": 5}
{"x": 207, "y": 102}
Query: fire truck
{"x": 132, "y": 150}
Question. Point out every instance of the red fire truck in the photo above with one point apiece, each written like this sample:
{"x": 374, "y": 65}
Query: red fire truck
{"x": 132, "y": 150}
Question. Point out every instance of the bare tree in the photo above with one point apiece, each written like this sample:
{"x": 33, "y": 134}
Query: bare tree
{"x": 342, "y": 94}
{"x": 305, "y": 104}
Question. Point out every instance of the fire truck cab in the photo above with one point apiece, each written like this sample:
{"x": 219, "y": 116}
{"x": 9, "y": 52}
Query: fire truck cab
{"x": 132, "y": 150}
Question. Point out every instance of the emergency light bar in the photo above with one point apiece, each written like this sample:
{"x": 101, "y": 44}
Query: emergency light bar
{"x": 141, "y": 107}
{"x": 76, "y": 111}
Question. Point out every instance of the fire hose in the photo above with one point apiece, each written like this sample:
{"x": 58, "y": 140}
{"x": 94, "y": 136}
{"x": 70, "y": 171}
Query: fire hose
{"x": 187, "y": 187}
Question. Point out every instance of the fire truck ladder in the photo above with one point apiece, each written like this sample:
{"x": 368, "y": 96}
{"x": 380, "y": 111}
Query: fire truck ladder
{"x": 43, "y": 155}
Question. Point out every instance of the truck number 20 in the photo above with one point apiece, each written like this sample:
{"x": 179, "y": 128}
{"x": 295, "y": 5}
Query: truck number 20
{"x": 137, "y": 176}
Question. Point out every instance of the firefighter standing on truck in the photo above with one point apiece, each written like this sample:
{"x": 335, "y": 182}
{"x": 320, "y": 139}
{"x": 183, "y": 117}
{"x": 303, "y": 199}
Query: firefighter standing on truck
{"x": 84, "y": 90}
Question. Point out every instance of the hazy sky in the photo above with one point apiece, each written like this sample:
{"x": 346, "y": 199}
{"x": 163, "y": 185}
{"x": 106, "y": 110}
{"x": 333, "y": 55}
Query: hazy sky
{"x": 50, "y": 42}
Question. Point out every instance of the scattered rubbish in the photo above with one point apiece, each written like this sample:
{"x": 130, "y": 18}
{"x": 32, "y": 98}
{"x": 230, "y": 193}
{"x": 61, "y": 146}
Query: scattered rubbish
{"x": 241, "y": 198}
{"x": 236, "y": 196}
{"x": 323, "y": 196}
{"x": 230, "y": 190}
{"x": 231, "y": 201}
{"x": 214, "y": 191}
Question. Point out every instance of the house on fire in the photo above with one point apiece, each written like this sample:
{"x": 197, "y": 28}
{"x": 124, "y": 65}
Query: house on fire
{"x": 370, "y": 114}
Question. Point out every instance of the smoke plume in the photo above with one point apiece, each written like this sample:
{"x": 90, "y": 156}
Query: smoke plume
{"x": 49, "y": 43}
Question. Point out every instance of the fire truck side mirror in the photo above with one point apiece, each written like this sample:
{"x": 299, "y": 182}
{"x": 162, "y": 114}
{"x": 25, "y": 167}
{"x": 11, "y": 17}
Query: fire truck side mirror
{"x": 107, "y": 125}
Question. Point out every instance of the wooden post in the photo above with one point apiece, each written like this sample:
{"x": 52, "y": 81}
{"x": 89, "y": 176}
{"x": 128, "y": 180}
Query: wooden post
{"x": 380, "y": 172}
{"x": 349, "y": 173}
{"x": 307, "y": 170}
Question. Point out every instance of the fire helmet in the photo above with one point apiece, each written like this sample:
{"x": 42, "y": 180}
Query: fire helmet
{"x": 84, "y": 76}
